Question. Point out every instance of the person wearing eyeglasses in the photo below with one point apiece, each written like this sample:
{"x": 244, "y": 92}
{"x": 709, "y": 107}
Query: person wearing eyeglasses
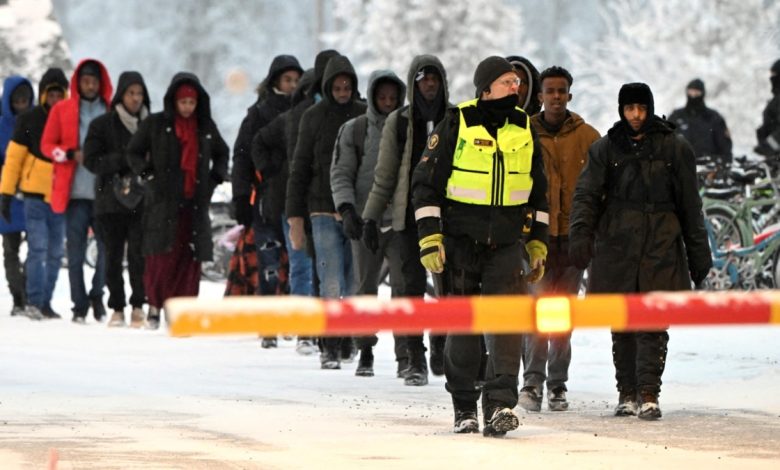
{"x": 480, "y": 175}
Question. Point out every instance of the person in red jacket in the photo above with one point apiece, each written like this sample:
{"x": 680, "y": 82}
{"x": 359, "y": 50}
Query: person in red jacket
{"x": 73, "y": 186}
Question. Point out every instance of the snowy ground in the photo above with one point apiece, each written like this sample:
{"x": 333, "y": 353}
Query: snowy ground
{"x": 117, "y": 398}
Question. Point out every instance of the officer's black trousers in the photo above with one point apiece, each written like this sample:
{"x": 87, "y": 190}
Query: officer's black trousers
{"x": 472, "y": 269}
{"x": 639, "y": 358}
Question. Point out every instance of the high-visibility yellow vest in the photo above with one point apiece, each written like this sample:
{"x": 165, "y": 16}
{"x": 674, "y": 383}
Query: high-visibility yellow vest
{"x": 488, "y": 171}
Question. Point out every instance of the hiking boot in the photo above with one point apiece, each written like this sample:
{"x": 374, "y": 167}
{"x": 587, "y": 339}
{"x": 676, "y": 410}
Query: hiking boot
{"x": 365, "y": 366}
{"x": 137, "y": 317}
{"x": 306, "y": 346}
{"x": 98, "y": 310}
{"x": 269, "y": 343}
{"x": 627, "y": 405}
{"x": 17, "y": 310}
{"x": 348, "y": 350}
{"x": 117, "y": 319}
{"x": 466, "y": 421}
{"x": 530, "y": 398}
{"x": 153, "y": 319}
{"x": 33, "y": 313}
{"x": 418, "y": 369}
{"x": 649, "y": 409}
{"x": 49, "y": 313}
{"x": 329, "y": 359}
{"x": 403, "y": 367}
{"x": 498, "y": 421}
{"x": 556, "y": 399}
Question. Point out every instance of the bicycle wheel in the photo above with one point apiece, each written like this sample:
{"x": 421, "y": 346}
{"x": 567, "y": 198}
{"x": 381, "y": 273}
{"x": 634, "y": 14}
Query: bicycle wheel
{"x": 725, "y": 228}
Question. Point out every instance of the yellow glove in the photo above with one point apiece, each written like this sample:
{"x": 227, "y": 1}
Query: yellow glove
{"x": 432, "y": 253}
{"x": 537, "y": 251}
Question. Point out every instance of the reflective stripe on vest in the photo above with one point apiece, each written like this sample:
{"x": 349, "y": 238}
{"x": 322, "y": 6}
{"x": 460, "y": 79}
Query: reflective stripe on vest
{"x": 488, "y": 171}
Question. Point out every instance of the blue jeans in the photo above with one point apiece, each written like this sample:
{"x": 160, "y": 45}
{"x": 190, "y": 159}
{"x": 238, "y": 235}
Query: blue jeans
{"x": 334, "y": 257}
{"x": 45, "y": 234}
{"x": 79, "y": 218}
{"x": 301, "y": 268}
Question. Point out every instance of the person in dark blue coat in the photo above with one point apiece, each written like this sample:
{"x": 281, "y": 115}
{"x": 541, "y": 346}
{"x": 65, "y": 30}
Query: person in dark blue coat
{"x": 17, "y": 97}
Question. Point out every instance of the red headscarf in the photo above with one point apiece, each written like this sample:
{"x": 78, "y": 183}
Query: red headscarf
{"x": 187, "y": 133}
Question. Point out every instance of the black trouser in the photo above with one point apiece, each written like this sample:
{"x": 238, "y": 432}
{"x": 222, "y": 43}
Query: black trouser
{"x": 14, "y": 269}
{"x": 473, "y": 269}
{"x": 640, "y": 358}
{"x": 368, "y": 267}
{"x": 413, "y": 280}
{"x": 119, "y": 230}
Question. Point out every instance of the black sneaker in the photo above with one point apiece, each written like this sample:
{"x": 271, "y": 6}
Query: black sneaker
{"x": 530, "y": 398}
{"x": 418, "y": 369}
{"x": 268, "y": 343}
{"x": 17, "y": 310}
{"x": 348, "y": 350}
{"x": 33, "y": 313}
{"x": 329, "y": 359}
{"x": 365, "y": 366}
{"x": 649, "y": 409}
{"x": 153, "y": 319}
{"x": 556, "y": 399}
{"x": 403, "y": 367}
{"x": 79, "y": 319}
{"x": 466, "y": 421}
{"x": 627, "y": 405}
{"x": 98, "y": 310}
{"x": 499, "y": 421}
{"x": 49, "y": 313}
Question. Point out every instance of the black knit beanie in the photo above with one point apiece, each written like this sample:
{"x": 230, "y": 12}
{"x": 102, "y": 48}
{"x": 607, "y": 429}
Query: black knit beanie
{"x": 89, "y": 67}
{"x": 488, "y": 71}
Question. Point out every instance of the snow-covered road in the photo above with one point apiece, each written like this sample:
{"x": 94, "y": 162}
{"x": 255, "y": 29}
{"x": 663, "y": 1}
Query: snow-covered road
{"x": 121, "y": 398}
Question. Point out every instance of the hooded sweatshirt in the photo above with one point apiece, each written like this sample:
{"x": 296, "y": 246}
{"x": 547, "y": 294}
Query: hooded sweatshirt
{"x": 352, "y": 175}
{"x": 401, "y": 148}
{"x": 531, "y": 104}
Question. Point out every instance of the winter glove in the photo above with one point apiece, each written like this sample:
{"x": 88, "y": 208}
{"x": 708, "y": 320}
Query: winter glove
{"x": 243, "y": 210}
{"x": 432, "y": 253}
{"x": 580, "y": 252}
{"x": 351, "y": 222}
{"x": 5, "y": 207}
{"x": 537, "y": 252}
{"x": 370, "y": 235}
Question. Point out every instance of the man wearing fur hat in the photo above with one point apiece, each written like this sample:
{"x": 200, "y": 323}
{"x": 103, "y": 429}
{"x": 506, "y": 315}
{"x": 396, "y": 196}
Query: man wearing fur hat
{"x": 480, "y": 175}
{"x": 636, "y": 219}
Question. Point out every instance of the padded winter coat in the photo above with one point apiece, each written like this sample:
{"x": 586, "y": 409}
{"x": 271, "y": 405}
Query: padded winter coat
{"x": 565, "y": 154}
{"x": 638, "y": 203}
{"x": 164, "y": 195}
{"x": 62, "y": 132}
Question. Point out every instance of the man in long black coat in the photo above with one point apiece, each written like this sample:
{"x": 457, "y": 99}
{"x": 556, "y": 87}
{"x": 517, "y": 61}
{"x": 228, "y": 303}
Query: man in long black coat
{"x": 636, "y": 218}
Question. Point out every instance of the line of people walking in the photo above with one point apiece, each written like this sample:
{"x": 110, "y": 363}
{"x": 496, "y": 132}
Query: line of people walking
{"x": 507, "y": 193}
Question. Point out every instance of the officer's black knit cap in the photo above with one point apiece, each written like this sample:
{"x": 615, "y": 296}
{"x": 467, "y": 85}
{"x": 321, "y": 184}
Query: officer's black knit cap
{"x": 632, "y": 93}
{"x": 776, "y": 67}
{"x": 488, "y": 71}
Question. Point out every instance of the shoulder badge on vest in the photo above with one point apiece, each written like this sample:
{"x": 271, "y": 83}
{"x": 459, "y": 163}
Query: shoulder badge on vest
{"x": 433, "y": 141}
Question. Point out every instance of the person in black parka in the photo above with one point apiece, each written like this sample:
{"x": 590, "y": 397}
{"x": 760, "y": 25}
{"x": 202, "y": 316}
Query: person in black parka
{"x": 637, "y": 215}
{"x": 104, "y": 155}
{"x": 187, "y": 159}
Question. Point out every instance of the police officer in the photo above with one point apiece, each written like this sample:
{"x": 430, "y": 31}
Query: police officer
{"x": 480, "y": 177}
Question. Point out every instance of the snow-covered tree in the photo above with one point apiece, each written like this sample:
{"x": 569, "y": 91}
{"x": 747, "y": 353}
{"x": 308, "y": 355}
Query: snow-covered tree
{"x": 30, "y": 39}
{"x": 378, "y": 34}
{"x": 730, "y": 45}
